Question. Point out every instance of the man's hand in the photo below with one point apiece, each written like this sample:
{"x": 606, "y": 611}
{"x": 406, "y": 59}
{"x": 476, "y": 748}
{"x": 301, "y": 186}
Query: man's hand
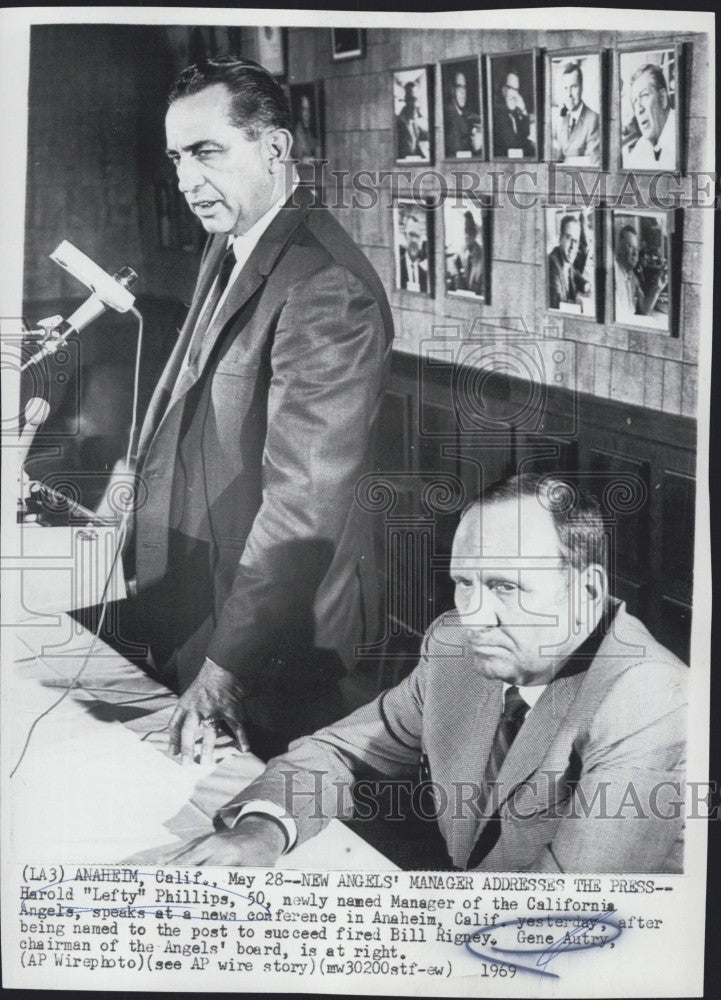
{"x": 216, "y": 695}
{"x": 255, "y": 842}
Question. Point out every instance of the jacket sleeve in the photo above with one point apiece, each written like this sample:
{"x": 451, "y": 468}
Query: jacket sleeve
{"x": 555, "y": 284}
{"x": 627, "y": 810}
{"x": 328, "y": 360}
{"x": 313, "y": 781}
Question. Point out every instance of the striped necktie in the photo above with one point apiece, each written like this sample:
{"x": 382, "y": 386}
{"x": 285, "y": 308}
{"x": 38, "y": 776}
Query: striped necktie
{"x": 512, "y": 717}
{"x": 227, "y": 263}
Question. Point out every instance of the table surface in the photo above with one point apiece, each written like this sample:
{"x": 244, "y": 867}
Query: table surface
{"x": 95, "y": 783}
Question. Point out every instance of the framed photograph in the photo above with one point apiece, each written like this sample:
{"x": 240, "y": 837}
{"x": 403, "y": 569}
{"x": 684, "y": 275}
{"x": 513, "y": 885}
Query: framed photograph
{"x": 462, "y": 109}
{"x": 306, "y": 108}
{"x": 467, "y": 248}
{"x": 347, "y": 43}
{"x": 572, "y": 264}
{"x": 513, "y": 106}
{"x": 271, "y": 43}
{"x": 650, "y": 115}
{"x": 643, "y": 261}
{"x": 576, "y": 108}
{"x": 413, "y": 246}
{"x": 413, "y": 114}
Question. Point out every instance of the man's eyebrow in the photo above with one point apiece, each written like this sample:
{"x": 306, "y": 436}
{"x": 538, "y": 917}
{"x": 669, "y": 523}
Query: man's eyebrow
{"x": 194, "y": 147}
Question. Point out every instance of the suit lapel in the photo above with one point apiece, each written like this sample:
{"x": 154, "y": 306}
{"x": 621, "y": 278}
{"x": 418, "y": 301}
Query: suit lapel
{"x": 167, "y": 382}
{"x": 171, "y": 388}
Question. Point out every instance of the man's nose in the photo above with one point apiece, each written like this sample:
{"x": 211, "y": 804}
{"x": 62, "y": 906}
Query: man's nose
{"x": 479, "y": 609}
{"x": 190, "y": 176}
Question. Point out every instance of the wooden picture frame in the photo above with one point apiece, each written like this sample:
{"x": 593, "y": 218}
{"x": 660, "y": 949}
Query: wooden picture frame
{"x": 463, "y": 109}
{"x": 347, "y": 43}
{"x": 413, "y": 125}
{"x": 635, "y": 274}
{"x": 468, "y": 247}
{"x": 647, "y": 141}
{"x": 577, "y": 108}
{"x": 573, "y": 262}
{"x": 413, "y": 246}
{"x": 515, "y": 118}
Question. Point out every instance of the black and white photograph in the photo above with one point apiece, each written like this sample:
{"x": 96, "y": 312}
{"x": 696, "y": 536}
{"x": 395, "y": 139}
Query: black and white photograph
{"x": 571, "y": 263}
{"x": 462, "y": 109}
{"x": 356, "y": 578}
{"x": 650, "y": 89}
{"x": 347, "y": 43}
{"x": 412, "y": 114}
{"x": 576, "y": 108}
{"x": 468, "y": 256}
{"x": 413, "y": 246}
{"x": 306, "y": 109}
{"x": 642, "y": 265}
{"x": 513, "y": 106}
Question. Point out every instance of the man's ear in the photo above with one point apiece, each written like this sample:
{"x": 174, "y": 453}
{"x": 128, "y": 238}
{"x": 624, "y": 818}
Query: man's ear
{"x": 664, "y": 99}
{"x": 278, "y": 143}
{"x": 594, "y": 593}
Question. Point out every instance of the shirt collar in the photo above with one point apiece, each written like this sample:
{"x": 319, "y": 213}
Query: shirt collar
{"x": 530, "y": 694}
{"x": 244, "y": 244}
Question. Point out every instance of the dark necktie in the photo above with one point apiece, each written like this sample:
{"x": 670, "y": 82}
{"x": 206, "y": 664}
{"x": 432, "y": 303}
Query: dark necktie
{"x": 225, "y": 269}
{"x": 657, "y": 154}
{"x": 514, "y": 712}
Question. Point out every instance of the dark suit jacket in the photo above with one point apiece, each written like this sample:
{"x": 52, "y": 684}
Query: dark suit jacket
{"x": 456, "y": 129}
{"x": 422, "y": 272}
{"x": 598, "y": 728}
{"x": 250, "y": 546}
{"x": 585, "y": 138}
{"x": 559, "y": 288}
{"x": 504, "y": 136}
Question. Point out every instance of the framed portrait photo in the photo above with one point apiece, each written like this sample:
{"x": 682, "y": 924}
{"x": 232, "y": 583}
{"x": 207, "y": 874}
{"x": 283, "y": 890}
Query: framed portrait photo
{"x": 347, "y": 43}
{"x": 572, "y": 264}
{"x": 272, "y": 46}
{"x": 650, "y": 113}
{"x": 413, "y": 246}
{"x": 306, "y": 108}
{"x": 644, "y": 264}
{"x": 413, "y": 114}
{"x": 463, "y": 132}
{"x": 576, "y": 108}
{"x": 513, "y": 106}
{"x": 467, "y": 248}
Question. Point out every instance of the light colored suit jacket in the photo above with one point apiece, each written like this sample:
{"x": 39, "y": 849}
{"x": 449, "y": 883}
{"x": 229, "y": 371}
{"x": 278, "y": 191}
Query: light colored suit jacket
{"x": 587, "y": 786}
{"x": 250, "y": 546}
{"x": 585, "y": 137}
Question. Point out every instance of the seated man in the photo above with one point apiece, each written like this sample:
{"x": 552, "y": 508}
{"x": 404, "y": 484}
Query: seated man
{"x": 552, "y": 723}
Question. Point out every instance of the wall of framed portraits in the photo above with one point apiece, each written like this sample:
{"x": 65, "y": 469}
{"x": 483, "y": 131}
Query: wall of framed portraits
{"x": 523, "y": 124}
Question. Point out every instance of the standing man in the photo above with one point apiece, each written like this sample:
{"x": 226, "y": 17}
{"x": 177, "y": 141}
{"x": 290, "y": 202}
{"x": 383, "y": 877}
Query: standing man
{"x": 656, "y": 121}
{"x": 577, "y": 128}
{"x": 565, "y": 282}
{"x": 255, "y": 578}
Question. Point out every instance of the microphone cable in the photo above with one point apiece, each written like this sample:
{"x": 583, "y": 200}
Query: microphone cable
{"x": 122, "y": 532}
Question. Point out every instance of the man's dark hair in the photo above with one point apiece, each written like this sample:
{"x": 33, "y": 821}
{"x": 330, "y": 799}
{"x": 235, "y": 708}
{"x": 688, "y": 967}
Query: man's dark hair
{"x": 574, "y": 67}
{"x": 257, "y": 100}
{"x": 576, "y": 513}
{"x": 627, "y": 230}
{"x": 565, "y": 221}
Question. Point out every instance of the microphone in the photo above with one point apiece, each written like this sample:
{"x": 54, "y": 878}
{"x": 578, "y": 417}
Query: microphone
{"x": 108, "y": 291}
